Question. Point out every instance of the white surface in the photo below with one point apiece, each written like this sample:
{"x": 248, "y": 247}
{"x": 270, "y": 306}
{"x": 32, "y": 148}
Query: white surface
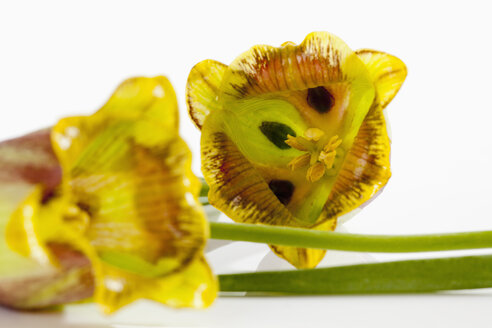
{"x": 62, "y": 58}
{"x": 446, "y": 310}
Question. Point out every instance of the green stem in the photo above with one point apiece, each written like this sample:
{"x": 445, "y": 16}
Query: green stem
{"x": 298, "y": 237}
{"x": 391, "y": 277}
{"x": 204, "y": 188}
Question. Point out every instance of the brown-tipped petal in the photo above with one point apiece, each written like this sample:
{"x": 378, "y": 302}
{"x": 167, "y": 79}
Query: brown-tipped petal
{"x": 236, "y": 188}
{"x": 387, "y": 72}
{"x": 202, "y": 89}
{"x": 321, "y": 58}
{"x": 40, "y": 287}
{"x": 366, "y": 168}
{"x": 30, "y": 160}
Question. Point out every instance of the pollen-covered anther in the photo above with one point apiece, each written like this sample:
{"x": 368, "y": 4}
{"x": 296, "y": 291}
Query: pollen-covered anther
{"x": 299, "y": 161}
{"x": 298, "y": 143}
{"x": 328, "y": 158}
{"x": 316, "y": 172}
{"x": 333, "y": 143}
{"x": 328, "y": 154}
{"x": 313, "y": 134}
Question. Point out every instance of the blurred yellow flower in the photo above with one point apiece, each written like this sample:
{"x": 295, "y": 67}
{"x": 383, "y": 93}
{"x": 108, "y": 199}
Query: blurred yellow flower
{"x": 295, "y": 135}
{"x": 127, "y": 201}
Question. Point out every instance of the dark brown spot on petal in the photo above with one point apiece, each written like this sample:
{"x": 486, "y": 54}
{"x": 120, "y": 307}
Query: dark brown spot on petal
{"x": 283, "y": 189}
{"x": 277, "y": 133}
{"x": 86, "y": 208}
{"x": 320, "y": 99}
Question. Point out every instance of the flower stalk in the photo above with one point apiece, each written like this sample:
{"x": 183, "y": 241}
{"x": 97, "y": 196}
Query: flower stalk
{"x": 411, "y": 276}
{"x": 306, "y": 238}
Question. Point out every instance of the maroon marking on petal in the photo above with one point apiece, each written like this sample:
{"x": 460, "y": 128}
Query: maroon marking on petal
{"x": 41, "y": 167}
{"x": 320, "y": 99}
{"x": 19, "y": 293}
{"x": 282, "y": 189}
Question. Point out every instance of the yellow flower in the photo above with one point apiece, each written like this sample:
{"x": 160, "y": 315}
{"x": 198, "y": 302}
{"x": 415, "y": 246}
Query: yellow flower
{"x": 295, "y": 135}
{"x": 127, "y": 201}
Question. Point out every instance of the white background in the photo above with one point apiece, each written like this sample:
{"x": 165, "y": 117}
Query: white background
{"x": 64, "y": 58}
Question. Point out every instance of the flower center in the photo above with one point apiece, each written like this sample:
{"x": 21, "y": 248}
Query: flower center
{"x": 320, "y": 152}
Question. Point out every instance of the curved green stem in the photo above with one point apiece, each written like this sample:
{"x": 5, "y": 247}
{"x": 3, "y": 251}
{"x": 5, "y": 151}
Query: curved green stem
{"x": 305, "y": 238}
{"x": 412, "y": 276}
{"x": 298, "y": 237}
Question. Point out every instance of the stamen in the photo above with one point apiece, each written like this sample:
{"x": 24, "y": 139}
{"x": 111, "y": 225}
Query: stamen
{"x": 315, "y": 172}
{"x": 333, "y": 143}
{"x": 328, "y": 158}
{"x": 298, "y": 143}
{"x": 313, "y": 134}
{"x": 299, "y": 161}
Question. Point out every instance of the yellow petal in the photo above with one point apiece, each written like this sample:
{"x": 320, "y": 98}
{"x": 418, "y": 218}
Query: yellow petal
{"x": 305, "y": 258}
{"x": 387, "y": 72}
{"x": 146, "y": 99}
{"x": 202, "y": 89}
{"x": 147, "y": 104}
{"x": 288, "y": 43}
{"x": 23, "y": 231}
{"x": 194, "y": 286}
{"x": 366, "y": 169}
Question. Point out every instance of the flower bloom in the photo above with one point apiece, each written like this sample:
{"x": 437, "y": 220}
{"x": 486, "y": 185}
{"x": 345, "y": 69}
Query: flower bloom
{"x": 115, "y": 209}
{"x": 295, "y": 135}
